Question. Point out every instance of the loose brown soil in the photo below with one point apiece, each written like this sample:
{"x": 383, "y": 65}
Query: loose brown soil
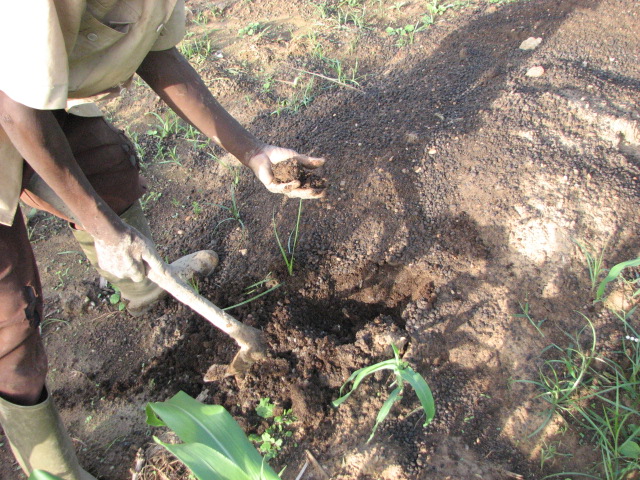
{"x": 456, "y": 186}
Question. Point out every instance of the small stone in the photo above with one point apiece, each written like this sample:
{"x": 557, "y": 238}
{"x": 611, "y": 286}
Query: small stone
{"x": 180, "y": 232}
{"x": 535, "y": 72}
{"x": 411, "y": 137}
{"x": 530, "y": 43}
{"x": 432, "y": 151}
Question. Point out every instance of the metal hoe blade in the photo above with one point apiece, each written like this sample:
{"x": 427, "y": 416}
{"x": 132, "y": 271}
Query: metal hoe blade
{"x": 250, "y": 340}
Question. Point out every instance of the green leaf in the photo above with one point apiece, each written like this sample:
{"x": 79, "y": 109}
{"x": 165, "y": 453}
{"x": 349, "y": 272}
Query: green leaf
{"x": 114, "y": 298}
{"x": 422, "y": 390}
{"x": 630, "y": 449}
{"x": 213, "y": 426}
{"x": 385, "y": 409}
{"x": 614, "y": 273}
{"x": 206, "y": 463}
{"x": 359, "y": 375}
{"x": 152, "y": 418}
{"x": 265, "y": 408}
{"x": 42, "y": 475}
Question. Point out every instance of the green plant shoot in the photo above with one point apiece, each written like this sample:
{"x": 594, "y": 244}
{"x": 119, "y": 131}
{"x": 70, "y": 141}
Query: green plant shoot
{"x": 614, "y": 273}
{"x": 215, "y": 447}
{"x": 404, "y": 374}
{"x": 288, "y": 254}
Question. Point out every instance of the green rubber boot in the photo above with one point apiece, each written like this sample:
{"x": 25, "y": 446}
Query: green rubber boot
{"x": 142, "y": 296}
{"x": 39, "y": 440}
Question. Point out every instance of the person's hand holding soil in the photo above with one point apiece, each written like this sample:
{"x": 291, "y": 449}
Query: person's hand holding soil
{"x": 285, "y": 171}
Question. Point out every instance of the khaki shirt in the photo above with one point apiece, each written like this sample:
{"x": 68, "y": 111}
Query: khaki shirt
{"x": 55, "y": 51}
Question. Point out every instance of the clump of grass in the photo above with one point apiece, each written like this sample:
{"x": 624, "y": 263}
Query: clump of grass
{"x": 196, "y": 48}
{"x": 403, "y": 374}
{"x": 595, "y": 389}
{"x": 594, "y": 262}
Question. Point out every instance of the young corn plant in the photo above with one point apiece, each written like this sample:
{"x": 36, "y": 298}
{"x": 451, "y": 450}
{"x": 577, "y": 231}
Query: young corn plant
{"x": 215, "y": 447}
{"x": 288, "y": 254}
{"x": 615, "y": 273}
{"x": 403, "y": 374}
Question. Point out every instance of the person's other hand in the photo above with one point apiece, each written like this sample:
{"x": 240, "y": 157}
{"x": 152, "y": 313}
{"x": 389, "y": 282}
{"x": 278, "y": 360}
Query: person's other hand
{"x": 262, "y": 162}
{"x": 125, "y": 253}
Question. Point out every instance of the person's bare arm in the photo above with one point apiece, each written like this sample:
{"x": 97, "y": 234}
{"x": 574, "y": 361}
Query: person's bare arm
{"x": 171, "y": 76}
{"x": 38, "y": 137}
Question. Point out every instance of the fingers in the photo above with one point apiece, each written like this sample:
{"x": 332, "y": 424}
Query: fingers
{"x": 307, "y": 193}
{"x": 285, "y": 187}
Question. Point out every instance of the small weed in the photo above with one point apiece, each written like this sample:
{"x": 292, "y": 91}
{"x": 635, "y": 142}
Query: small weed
{"x": 200, "y": 19}
{"x": 344, "y": 76}
{"x": 195, "y": 284}
{"x": 405, "y": 34}
{"x": 140, "y": 150}
{"x": 271, "y": 440}
{"x": 549, "y": 451}
{"x": 434, "y": 9}
{"x": 62, "y": 276}
{"x": 233, "y": 210}
{"x": 355, "y": 17}
{"x": 267, "y": 85}
{"x": 149, "y": 198}
{"x": 288, "y": 254}
{"x": 196, "y": 208}
{"x": 299, "y": 100}
{"x": 403, "y": 374}
{"x": 253, "y": 29}
{"x": 116, "y": 299}
{"x": 594, "y": 262}
{"x": 256, "y": 287}
{"x": 167, "y": 126}
{"x": 196, "y": 49}
{"x": 524, "y": 307}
